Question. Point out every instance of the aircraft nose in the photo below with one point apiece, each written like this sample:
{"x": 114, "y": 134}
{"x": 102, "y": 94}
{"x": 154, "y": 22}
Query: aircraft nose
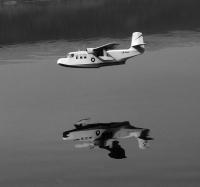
{"x": 65, "y": 135}
{"x": 62, "y": 61}
{"x": 59, "y": 61}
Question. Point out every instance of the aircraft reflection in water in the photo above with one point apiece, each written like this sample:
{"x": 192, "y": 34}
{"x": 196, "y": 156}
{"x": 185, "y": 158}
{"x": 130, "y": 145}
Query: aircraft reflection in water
{"x": 105, "y": 136}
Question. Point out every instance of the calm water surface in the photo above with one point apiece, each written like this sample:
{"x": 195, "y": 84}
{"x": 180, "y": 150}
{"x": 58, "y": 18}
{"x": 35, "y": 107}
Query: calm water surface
{"x": 158, "y": 90}
{"x": 39, "y": 100}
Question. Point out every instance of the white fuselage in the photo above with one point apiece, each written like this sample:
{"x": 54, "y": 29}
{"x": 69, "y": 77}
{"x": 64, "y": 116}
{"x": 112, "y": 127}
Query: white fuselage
{"x": 123, "y": 54}
{"x": 104, "y": 55}
{"x": 85, "y": 59}
{"x": 91, "y": 135}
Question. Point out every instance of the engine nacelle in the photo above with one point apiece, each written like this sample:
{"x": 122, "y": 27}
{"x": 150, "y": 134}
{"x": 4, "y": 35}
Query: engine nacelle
{"x": 90, "y": 50}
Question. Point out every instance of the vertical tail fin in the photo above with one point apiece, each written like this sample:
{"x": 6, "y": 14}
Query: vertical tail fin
{"x": 137, "y": 39}
{"x": 138, "y": 42}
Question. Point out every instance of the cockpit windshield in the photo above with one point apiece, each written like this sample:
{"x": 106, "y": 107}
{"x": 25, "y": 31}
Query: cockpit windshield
{"x": 70, "y": 55}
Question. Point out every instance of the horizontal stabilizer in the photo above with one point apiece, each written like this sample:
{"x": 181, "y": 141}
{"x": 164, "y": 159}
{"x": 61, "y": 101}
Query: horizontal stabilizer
{"x": 106, "y": 47}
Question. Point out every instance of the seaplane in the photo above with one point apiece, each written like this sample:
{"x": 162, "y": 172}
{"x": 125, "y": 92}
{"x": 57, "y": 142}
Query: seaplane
{"x": 105, "y": 55}
{"x": 106, "y": 136}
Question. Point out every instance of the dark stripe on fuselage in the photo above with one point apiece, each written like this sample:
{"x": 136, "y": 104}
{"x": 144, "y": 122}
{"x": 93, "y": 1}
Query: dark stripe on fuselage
{"x": 80, "y": 66}
{"x": 93, "y": 65}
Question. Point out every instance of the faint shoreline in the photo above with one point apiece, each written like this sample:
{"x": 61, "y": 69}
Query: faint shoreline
{"x": 83, "y": 19}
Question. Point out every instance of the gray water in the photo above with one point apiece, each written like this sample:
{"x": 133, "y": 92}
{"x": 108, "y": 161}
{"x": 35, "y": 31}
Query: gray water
{"x": 158, "y": 90}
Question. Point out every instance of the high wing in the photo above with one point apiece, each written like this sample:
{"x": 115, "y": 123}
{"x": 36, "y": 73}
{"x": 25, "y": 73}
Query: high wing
{"x": 106, "y": 46}
{"x": 81, "y": 122}
{"x": 98, "y": 51}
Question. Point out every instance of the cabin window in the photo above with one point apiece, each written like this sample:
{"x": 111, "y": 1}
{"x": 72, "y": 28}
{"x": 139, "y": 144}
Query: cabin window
{"x": 76, "y": 56}
{"x": 85, "y": 57}
{"x": 81, "y": 57}
{"x": 70, "y": 55}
